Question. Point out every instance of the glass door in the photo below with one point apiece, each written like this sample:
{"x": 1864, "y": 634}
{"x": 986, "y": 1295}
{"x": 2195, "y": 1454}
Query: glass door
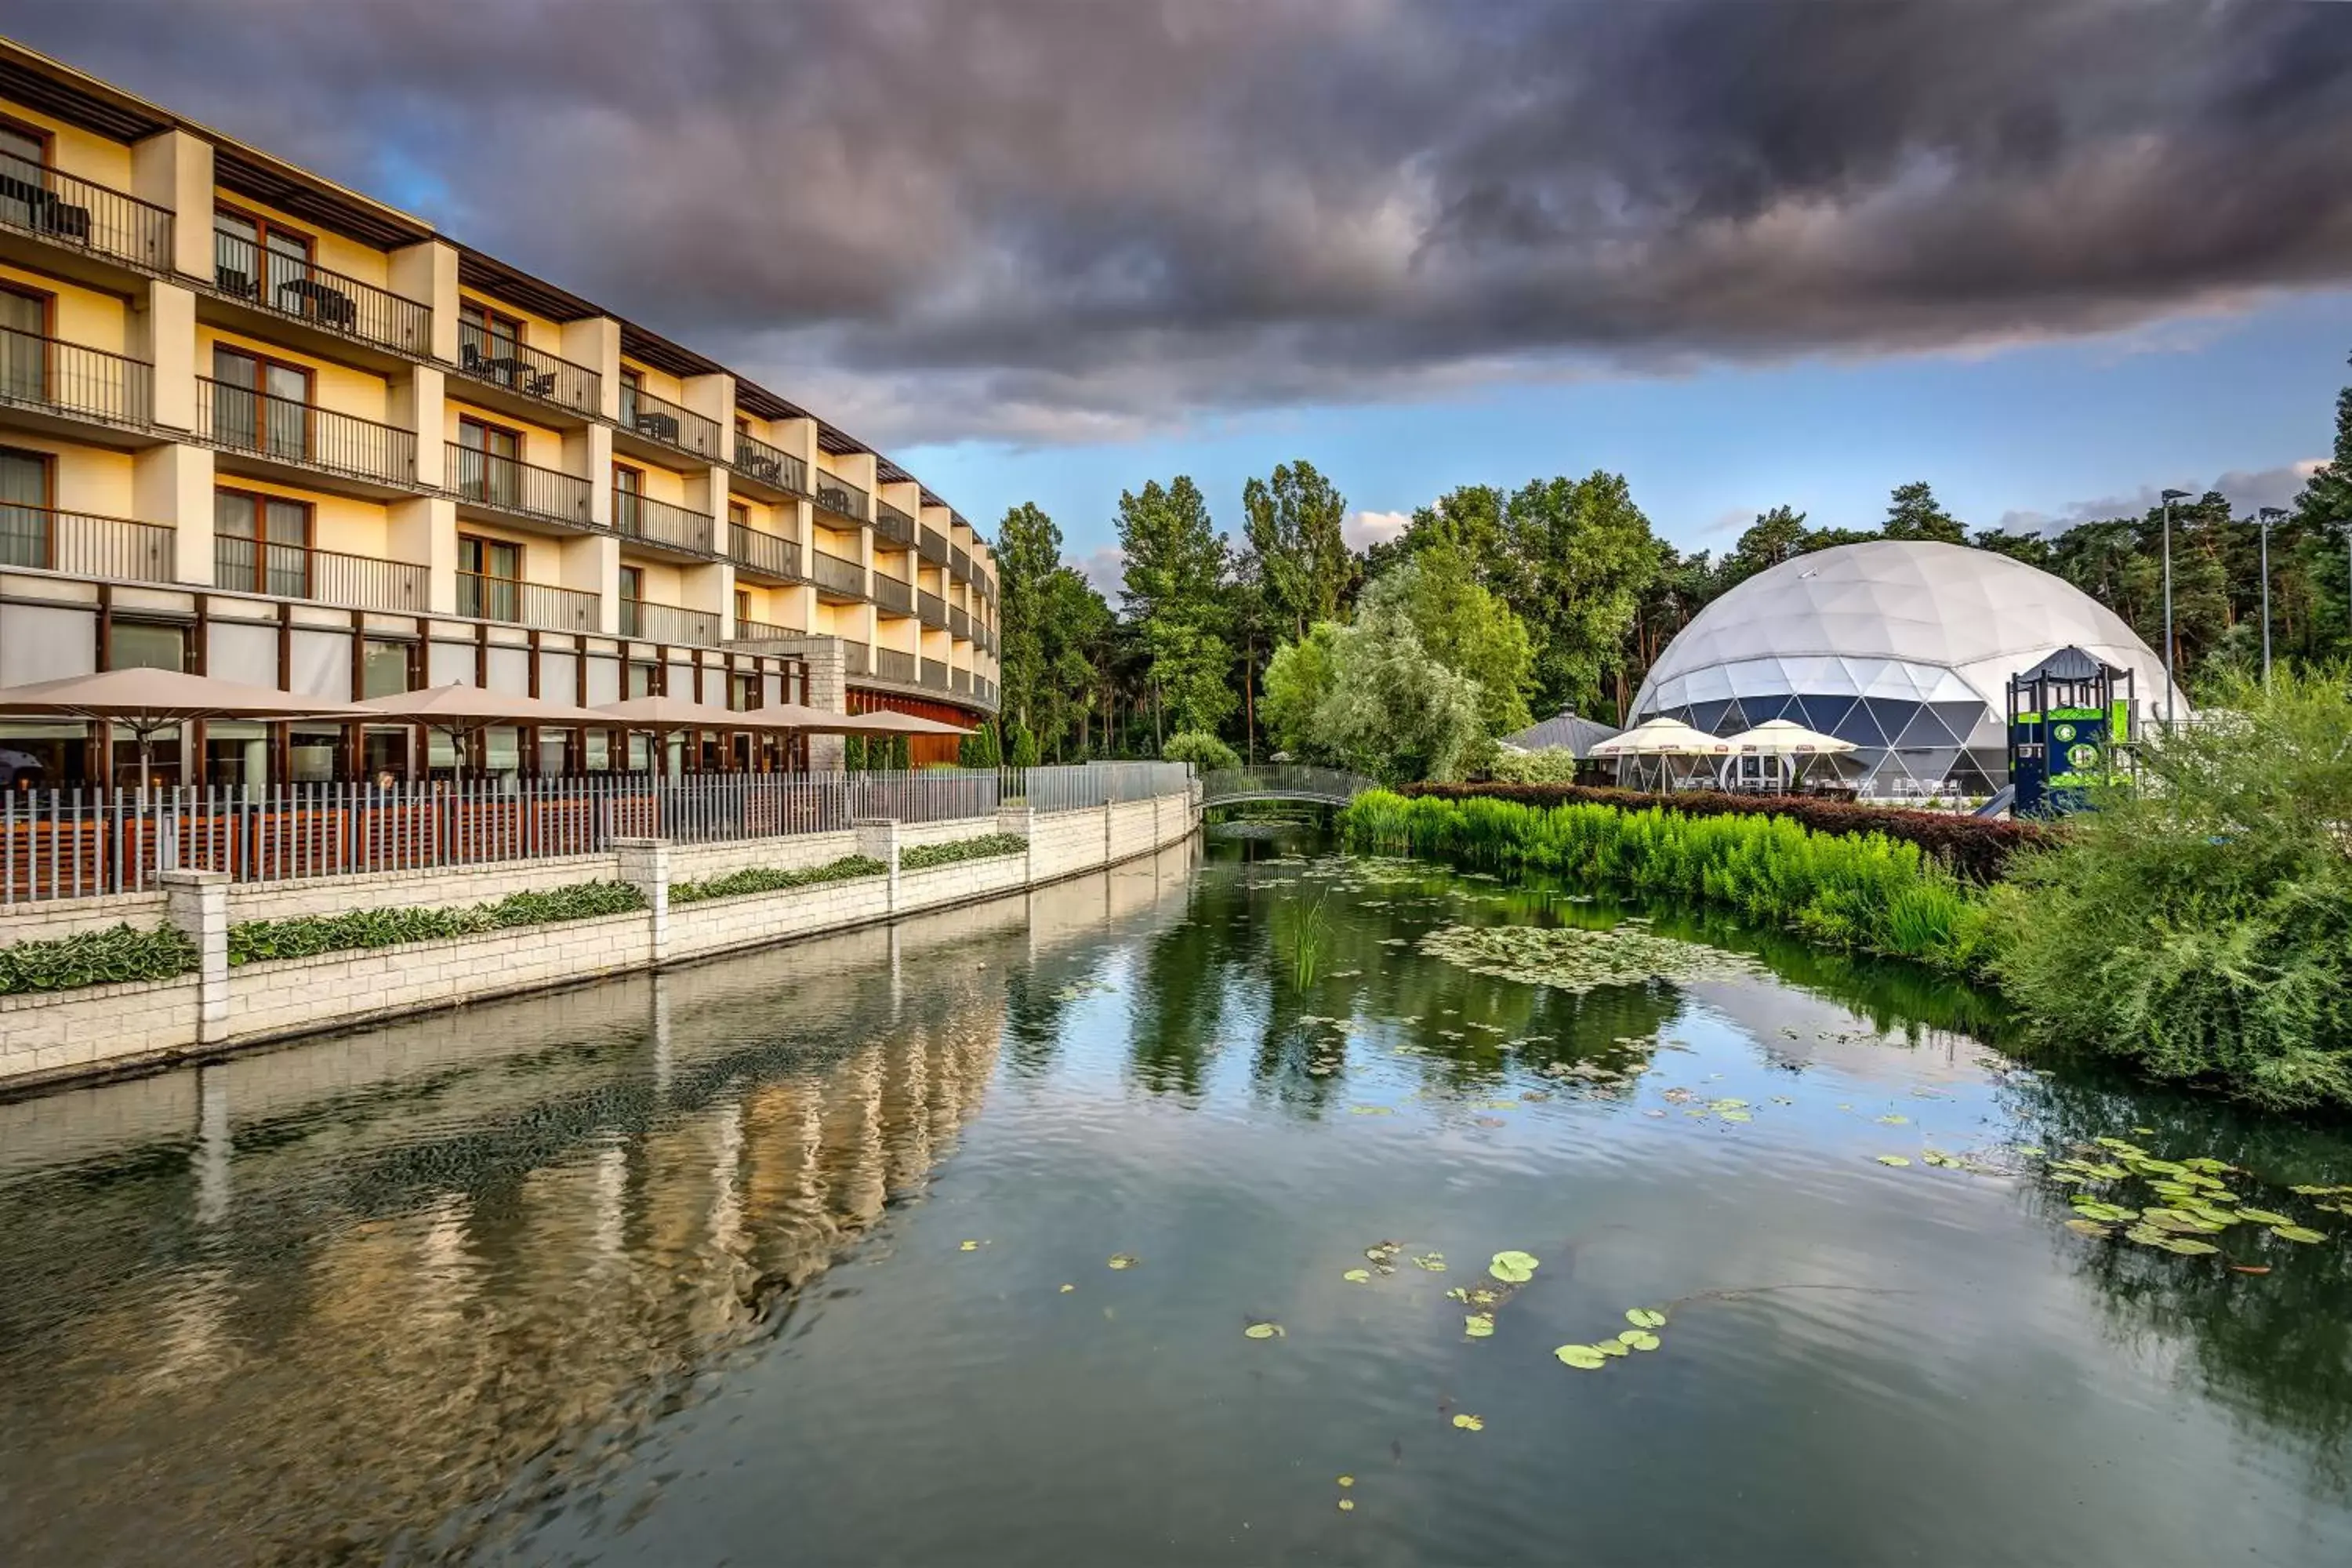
{"x": 26, "y": 521}
{"x": 23, "y": 346}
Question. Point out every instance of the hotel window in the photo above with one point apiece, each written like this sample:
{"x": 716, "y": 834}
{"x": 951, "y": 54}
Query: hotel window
{"x": 27, "y": 526}
{"x": 488, "y": 457}
{"x": 262, "y": 544}
{"x": 147, "y": 644}
{"x": 490, "y": 578}
{"x": 261, "y": 405}
{"x": 23, "y": 344}
{"x": 632, "y": 382}
{"x": 24, "y": 176}
{"x": 633, "y": 583}
{"x": 628, "y": 490}
{"x": 487, "y": 341}
{"x": 743, "y": 609}
{"x": 254, "y": 258}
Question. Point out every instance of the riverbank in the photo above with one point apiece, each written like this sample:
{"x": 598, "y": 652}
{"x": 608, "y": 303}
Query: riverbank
{"x": 52, "y": 1037}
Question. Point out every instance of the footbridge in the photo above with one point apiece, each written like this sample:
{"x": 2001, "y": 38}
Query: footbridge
{"x": 1324, "y": 787}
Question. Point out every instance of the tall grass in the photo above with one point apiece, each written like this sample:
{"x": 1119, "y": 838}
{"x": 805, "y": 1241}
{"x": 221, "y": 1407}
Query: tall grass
{"x": 1859, "y": 892}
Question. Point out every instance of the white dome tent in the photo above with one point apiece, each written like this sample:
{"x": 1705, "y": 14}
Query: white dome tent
{"x": 1903, "y": 647}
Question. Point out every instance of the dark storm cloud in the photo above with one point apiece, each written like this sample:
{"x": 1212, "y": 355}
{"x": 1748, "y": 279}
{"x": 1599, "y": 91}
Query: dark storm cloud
{"x": 1058, "y": 218}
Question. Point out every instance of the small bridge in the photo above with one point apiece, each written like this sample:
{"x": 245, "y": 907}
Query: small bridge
{"x": 1323, "y": 787}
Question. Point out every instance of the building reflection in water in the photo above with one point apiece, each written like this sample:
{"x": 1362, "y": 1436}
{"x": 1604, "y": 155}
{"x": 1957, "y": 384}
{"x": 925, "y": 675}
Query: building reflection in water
{"x": 367, "y": 1288}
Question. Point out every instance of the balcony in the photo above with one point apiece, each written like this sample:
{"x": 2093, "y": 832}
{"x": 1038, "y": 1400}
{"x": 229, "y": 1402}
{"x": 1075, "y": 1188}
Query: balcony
{"x": 668, "y": 423}
{"x": 110, "y": 548}
{"x": 765, "y": 553}
{"x": 298, "y": 291}
{"x": 853, "y": 659}
{"x": 657, "y": 522}
{"x": 934, "y": 674}
{"x": 892, "y": 524}
{"x": 959, "y": 563}
{"x": 984, "y": 690}
{"x": 889, "y": 664}
{"x": 841, "y": 578}
{"x": 958, "y": 623}
{"x": 778, "y": 470}
{"x": 668, "y": 623}
{"x": 325, "y": 576}
{"x": 893, "y": 594}
{"x": 53, "y": 376}
{"x": 525, "y": 604}
{"x": 932, "y": 547}
{"x": 840, "y": 498}
{"x": 517, "y": 488}
{"x": 764, "y": 631}
{"x": 960, "y": 682}
{"x": 68, "y": 211}
{"x": 930, "y": 609}
{"x": 303, "y": 435}
{"x": 527, "y": 373}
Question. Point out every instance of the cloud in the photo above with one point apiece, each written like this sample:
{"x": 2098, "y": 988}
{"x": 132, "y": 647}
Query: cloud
{"x": 1365, "y": 529}
{"x": 1063, "y": 220}
{"x": 2246, "y": 488}
{"x": 1106, "y": 569}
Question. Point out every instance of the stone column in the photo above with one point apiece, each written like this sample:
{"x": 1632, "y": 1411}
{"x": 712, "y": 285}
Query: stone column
{"x": 1023, "y": 820}
{"x": 198, "y": 902}
{"x": 828, "y": 689}
{"x": 878, "y": 839}
{"x": 644, "y": 866}
{"x": 1110, "y": 808}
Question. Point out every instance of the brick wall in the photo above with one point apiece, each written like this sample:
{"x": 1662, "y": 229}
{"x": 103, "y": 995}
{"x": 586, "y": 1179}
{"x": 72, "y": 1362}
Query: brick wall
{"x": 65, "y": 917}
{"x": 718, "y": 925}
{"x": 59, "y": 1033}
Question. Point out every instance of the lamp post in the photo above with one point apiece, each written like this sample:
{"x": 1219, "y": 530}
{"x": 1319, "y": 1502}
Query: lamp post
{"x": 2170, "y": 681}
{"x": 2266, "y": 519}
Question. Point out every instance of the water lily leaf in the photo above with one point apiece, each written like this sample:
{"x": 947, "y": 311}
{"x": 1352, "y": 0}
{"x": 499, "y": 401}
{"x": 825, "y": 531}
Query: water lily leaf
{"x": 1479, "y": 1325}
{"x": 1893, "y": 1160}
{"x": 2298, "y": 1232}
{"x": 1584, "y": 1358}
{"x": 1067, "y": 1289}
{"x": 967, "y": 1246}
{"x": 1638, "y": 1339}
{"x": 1347, "y": 1505}
{"x": 1513, "y": 1267}
{"x": 1645, "y": 1316}
{"x": 1122, "y": 1261}
{"x": 1346, "y": 1481}
{"x": 1893, "y": 1118}
{"x": 1471, "y": 1423}
{"x": 1262, "y": 1332}
{"x": 1611, "y": 1347}
{"x": 2263, "y": 1216}
{"x": 1356, "y": 1275}
{"x": 2088, "y": 1227}
{"x": 1726, "y": 1104}
{"x": 2029, "y": 1150}
{"x": 2189, "y": 1245}
{"x": 1737, "y": 1116}
{"x": 2147, "y": 1236}
{"x": 1372, "y": 1110}
{"x": 1431, "y": 1262}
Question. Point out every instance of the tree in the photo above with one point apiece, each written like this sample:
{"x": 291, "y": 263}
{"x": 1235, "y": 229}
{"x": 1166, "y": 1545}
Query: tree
{"x": 1080, "y": 649}
{"x": 1298, "y": 680}
{"x": 1464, "y": 627}
{"x": 1176, "y": 571}
{"x": 1028, "y": 552}
{"x": 1395, "y": 712}
{"x": 2034, "y": 549}
{"x": 1294, "y": 527}
{"x": 1585, "y": 555}
{"x": 1913, "y": 512}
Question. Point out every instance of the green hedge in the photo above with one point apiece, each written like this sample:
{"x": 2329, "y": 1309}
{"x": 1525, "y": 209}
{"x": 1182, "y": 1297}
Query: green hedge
{"x": 106, "y": 957}
{"x": 305, "y": 936}
{"x": 922, "y": 857}
{"x": 1866, "y": 891}
{"x": 768, "y": 880}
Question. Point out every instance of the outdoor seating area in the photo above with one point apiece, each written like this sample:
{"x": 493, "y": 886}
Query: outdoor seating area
{"x": 510, "y": 371}
{"x": 1772, "y": 758}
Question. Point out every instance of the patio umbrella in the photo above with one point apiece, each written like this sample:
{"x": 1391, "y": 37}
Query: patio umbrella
{"x": 1663, "y": 737}
{"x": 148, "y": 702}
{"x": 818, "y": 721}
{"x": 1786, "y": 738}
{"x": 454, "y": 710}
{"x": 667, "y": 713}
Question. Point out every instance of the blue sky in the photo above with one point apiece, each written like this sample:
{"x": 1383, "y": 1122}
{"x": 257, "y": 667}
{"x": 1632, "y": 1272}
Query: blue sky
{"x": 2054, "y": 429}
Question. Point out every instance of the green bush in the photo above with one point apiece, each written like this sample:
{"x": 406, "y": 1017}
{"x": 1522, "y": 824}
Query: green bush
{"x": 1547, "y": 765}
{"x": 2201, "y": 925}
{"x": 305, "y": 936}
{"x": 106, "y": 957}
{"x": 1865, "y": 892}
{"x": 1203, "y": 751}
{"x": 922, "y": 857}
{"x": 768, "y": 880}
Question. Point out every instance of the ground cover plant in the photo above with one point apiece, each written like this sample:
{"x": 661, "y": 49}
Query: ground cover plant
{"x": 108, "y": 957}
{"x": 305, "y": 936}
{"x": 775, "y": 879}
{"x": 922, "y": 857}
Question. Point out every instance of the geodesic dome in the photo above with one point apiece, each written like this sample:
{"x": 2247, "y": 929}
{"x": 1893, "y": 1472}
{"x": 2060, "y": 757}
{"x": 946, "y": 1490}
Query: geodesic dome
{"x": 1905, "y": 649}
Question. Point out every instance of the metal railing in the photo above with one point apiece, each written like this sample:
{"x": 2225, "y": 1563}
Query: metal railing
{"x": 853, "y": 659}
{"x": 840, "y": 496}
{"x": 985, "y": 688}
{"x": 301, "y": 290}
{"x": 767, "y": 552}
{"x": 668, "y": 623}
{"x": 245, "y": 419}
{"x": 38, "y": 372}
{"x": 754, "y": 458}
{"x": 836, "y": 574}
{"x": 934, "y": 674}
{"x": 1095, "y": 784}
{"x": 893, "y": 594}
{"x": 890, "y": 664}
{"x": 65, "y": 209}
{"x": 49, "y": 539}
{"x": 327, "y": 576}
{"x": 959, "y": 563}
{"x": 657, "y": 418}
{"x": 1283, "y": 782}
{"x": 510, "y": 484}
{"x": 932, "y": 547}
{"x": 929, "y": 608}
{"x": 640, "y": 517}
{"x": 891, "y": 523}
{"x": 764, "y": 631}
{"x": 960, "y": 681}
{"x": 518, "y": 367}
{"x": 959, "y": 622}
{"x": 526, "y": 603}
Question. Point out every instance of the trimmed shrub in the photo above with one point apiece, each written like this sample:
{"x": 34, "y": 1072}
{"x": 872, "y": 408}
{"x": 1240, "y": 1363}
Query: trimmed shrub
{"x": 922, "y": 857}
{"x": 1544, "y": 765}
{"x": 769, "y": 880}
{"x": 1975, "y": 847}
{"x": 1867, "y": 891}
{"x": 307, "y": 936}
{"x": 108, "y": 957}
{"x": 1203, "y": 751}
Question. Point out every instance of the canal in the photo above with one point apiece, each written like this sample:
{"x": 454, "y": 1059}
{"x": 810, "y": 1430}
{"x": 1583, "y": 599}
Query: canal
{"x": 1204, "y": 1211}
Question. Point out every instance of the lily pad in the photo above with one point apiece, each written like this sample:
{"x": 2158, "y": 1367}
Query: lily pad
{"x": 1471, "y": 1423}
{"x": 967, "y": 1246}
{"x": 1638, "y": 1339}
{"x": 1479, "y": 1325}
{"x": 1584, "y": 1358}
{"x": 1893, "y": 1118}
{"x": 1513, "y": 1267}
{"x": 1737, "y": 1115}
{"x": 1262, "y": 1332}
{"x": 1645, "y": 1316}
{"x": 2189, "y": 1245}
{"x": 1346, "y": 1481}
{"x": 1356, "y": 1275}
{"x": 1347, "y": 1505}
{"x": 2263, "y": 1216}
{"x": 2088, "y": 1227}
{"x": 1431, "y": 1262}
{"x": 1575, "y": 960}
{"x": 1893, "y": 1160}
{"x": 1121, "y": 1260}
{"x": 1066, "y": 1289}
{"x": 2298, "y": 1232}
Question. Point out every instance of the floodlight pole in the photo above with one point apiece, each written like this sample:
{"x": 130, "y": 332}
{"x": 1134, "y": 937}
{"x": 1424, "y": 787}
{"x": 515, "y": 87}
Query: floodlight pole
{"x": 2170, "y": 681}
{"x": 2265, "y": 518}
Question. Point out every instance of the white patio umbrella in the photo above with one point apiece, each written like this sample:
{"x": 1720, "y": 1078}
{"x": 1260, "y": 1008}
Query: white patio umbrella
{"x": 148, "y": 701}
{"x": 1663, "y": 737}
{"x": 1785, "y": 738}
{"x": 458, "y": 710}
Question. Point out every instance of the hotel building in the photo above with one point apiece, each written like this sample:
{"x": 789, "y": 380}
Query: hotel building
{"x": 256, "y": 425}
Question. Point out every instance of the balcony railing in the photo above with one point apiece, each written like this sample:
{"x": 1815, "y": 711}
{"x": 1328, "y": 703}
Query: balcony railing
{"x": 764, "y": 631}
{"x": 892, "y": 594}
{"x": 769, "y": 465}
{"x": 503, "y": 362}
{"x": 636, "y": 516}
{"x": 959, "y": 563}
{"x": 301, "y": 290}
{"x": 510, "y": 484}
{"x": 985, "y": 688}
{"x": 837, "y": 575}
{"x": 932, "y": 547}
{"x": 960, "y": 682}
{"x": 853, "y": 659}
{"x": 893, "y": 524}
{"x": 525, "y": 604}
{"x": 49, "y": 539}
{"x": 959, "y": 622}
{"x": 930, "y": 608}
{"x": 934, "y": 674}
{"x": 50, "y": 373}
{"x": 289, "y": 431}
{"x": 840, "y": 496}
{"x": 889, "y": 664}
{"x": 327, "y": 576}
{"x": 68, "y": 210}
{"x": 767, "y": 553}
{"x": 671, "y": 424}
{"x": 668, "y": 623}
